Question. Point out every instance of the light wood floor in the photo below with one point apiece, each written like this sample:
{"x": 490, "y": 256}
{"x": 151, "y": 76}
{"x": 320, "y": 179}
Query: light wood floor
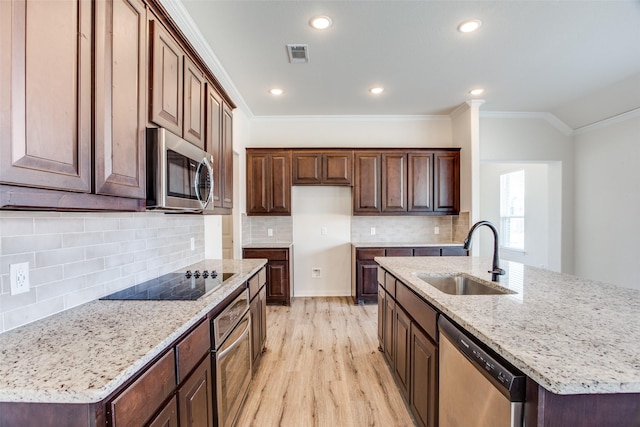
{"x": 322, "y": 367}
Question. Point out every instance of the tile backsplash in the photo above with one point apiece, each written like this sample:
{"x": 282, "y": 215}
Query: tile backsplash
{"x": 407, "y": 229}
{"x": 79, "y": 257}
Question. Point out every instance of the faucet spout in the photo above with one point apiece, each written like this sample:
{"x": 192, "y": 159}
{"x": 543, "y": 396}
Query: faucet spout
{"x": 495, "y": 271}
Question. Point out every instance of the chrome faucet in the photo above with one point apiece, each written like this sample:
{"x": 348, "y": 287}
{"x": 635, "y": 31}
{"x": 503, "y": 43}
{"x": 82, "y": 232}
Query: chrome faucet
{"x": 496, "y": 271}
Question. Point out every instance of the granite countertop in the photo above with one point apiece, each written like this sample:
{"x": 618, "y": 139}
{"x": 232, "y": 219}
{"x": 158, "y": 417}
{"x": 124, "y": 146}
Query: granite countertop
{"x": 82, "y": 355}
{"x": 400, "y": 245}
{"x": 570, "y": 335}
{"x": 268, "y": 245}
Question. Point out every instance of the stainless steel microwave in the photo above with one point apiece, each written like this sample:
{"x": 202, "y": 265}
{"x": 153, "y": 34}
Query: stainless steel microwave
{"x": 179, "y": 174}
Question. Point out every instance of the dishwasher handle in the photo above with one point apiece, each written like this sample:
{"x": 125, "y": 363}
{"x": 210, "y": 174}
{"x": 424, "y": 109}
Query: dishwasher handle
{"x": 505, "y": 377}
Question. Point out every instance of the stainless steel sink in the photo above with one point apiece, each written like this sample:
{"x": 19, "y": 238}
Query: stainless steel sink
{"x": 457, "y": 284}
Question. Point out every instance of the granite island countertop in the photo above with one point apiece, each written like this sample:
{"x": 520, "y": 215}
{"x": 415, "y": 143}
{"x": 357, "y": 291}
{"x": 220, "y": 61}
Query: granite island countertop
{"x": 84, "y": 354}
{"x": 570, "y": 335}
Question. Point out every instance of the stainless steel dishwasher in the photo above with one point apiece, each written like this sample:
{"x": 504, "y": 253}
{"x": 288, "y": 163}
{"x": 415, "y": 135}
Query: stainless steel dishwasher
{"x": 477, "y": 387}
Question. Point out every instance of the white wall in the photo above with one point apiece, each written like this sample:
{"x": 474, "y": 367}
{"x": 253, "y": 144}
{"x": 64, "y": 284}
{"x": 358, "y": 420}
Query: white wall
{"x": 607, "y": 198}
{"x": 434, "y": 131}
{"x": 509, "y": 138}
{"x": 317, "y": 208}
{"x": 541, "y": 210}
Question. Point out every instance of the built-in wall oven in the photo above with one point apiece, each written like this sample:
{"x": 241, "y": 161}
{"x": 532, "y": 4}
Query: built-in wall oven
{"x": 231, "y": 357}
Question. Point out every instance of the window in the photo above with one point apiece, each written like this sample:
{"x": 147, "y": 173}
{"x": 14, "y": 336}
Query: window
{"x": 512, "y": 210}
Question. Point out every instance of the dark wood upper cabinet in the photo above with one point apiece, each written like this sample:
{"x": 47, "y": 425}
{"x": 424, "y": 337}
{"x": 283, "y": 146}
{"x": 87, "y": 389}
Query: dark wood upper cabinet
{"x": 394, "y": 182}
{"x": 45, "y": 81}
{"x": 322, "y": 167}
{"x": 268, "y": 182}
{"x": 120, "y": 97}
{"x": 446, "y": 182}
{"x": 219, "y": 143}
{"x": 366, "y": 194}
{"x": 420, "y": 182}
{"x": 193, "y": 104}
{"x": 167, "y": 58}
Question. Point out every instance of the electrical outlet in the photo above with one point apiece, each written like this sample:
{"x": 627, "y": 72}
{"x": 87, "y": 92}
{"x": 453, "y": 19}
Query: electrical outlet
{"x": 193, "y": 243}
{"x": 373, "y": 231}
{"x": 19, "y": 278}
{"x": 436, "y": 230}
{"x": 315, "y": 273}
{"x": 270, "y": 232}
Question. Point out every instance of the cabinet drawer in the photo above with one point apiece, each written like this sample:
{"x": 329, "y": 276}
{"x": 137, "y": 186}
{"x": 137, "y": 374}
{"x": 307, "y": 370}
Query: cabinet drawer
{"x": 142, "y": 398}
{"x": 254, "y": 285}
{"x": 270, "y": 254}
{"x": 381, "y": 274}
{"x": 190, "y": 350}
{"x": 399, "y": 252}
{"x": 390, "y": 284}
{"x": 429, "y": 251}
{"x": 454, "y": 251}
{"x": 362, "y": 254}
{"x": 423, "y": 314}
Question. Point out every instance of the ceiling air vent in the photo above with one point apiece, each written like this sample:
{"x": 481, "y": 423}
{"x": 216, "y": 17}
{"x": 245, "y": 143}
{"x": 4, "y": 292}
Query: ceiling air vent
{"x": 298, "y": 53}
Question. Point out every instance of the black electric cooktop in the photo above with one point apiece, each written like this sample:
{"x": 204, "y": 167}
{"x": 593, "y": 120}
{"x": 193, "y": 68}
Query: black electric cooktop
{"x": 173, "y": 286}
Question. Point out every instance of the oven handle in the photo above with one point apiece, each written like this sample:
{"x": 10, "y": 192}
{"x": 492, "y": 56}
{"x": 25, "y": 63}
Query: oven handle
{"x": 222, "y": 353}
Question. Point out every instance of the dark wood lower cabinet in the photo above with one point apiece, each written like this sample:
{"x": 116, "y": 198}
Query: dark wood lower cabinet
{"x": 389, "y": 310}
{"x": 279, "y": 271}
{"x": 424, "y": 378}
{"x": 195, "y": 397}
{"x": 402, "y": 343}
{"x": 168, "y": 416}
{"x": 258, "y": 310}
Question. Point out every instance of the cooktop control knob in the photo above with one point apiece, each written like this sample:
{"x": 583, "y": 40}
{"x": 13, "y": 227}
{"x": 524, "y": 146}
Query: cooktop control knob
{"x": 214, "y": 274}
{"x": 196, "y": 274}
{"x": 188, "y": 274}
{"x": 205, "y": 274}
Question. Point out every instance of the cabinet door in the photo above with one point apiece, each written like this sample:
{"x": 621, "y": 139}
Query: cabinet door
{"x": 45, "y": 82}
{"x": 424, "y": 378}
{"x": 367, "y": 280}
{"x": 454, "y": 251}
{"x": 263, "y": 318}
{"x": 307, "y": 168}
{"x": 420, "y": 182}
{"x": 366, "y": 198}
{"x": 427, "y": 251}
{"x": 195, "y": 397}
{"x": 166, "y": 79}
{"x": 394, "y": 182}
{"x": 227, "y": 157}
{"x": 278, "y": 281}
{"x": 389, "y": 314}
{"x": 280, "y": 183}
{"x": 402, "y": 329}
{"x": 337, "y": 168}
{"x": 381, "y": 306}
{"x": 256, "y": 318}
{"x": 168, "y": 417}
{"x": 213, "y": 141}
{"x": 193, "y": 104}
{"x": 446, "y": 182}
{"x": 120, "y": 97}
{"x": 258, "y": 191}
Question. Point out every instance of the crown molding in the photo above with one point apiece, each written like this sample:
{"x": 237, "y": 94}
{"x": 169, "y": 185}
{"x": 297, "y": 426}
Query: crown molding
{"x": 548, "y": 117}
{"x": 190, "y": 29}
{"x": 631, "y": 114}
{"x": 351, "y": 118}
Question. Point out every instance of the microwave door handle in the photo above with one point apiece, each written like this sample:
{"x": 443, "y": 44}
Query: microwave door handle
{"x": 196, "y": 185}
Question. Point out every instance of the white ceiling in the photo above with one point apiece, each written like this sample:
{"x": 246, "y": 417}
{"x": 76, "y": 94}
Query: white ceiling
{"x": 528, "y": 55}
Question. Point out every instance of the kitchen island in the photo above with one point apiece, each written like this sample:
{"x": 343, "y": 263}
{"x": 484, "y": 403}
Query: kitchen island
{"x": 86, "y": 355}
{"x": 575, "y": 339}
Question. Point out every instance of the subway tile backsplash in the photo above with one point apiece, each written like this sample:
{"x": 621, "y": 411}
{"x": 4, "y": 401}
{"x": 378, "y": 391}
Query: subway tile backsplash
{"x": 78, "y": 257}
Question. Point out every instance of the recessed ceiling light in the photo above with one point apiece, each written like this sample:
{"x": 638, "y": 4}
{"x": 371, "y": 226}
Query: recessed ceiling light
{"x": 376, "y": 90}
{"x": 469, "y": 26}
{"x": 320, "y": 22}
{"x": 475, "y": 92}
{"x": 276, "y": 91}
